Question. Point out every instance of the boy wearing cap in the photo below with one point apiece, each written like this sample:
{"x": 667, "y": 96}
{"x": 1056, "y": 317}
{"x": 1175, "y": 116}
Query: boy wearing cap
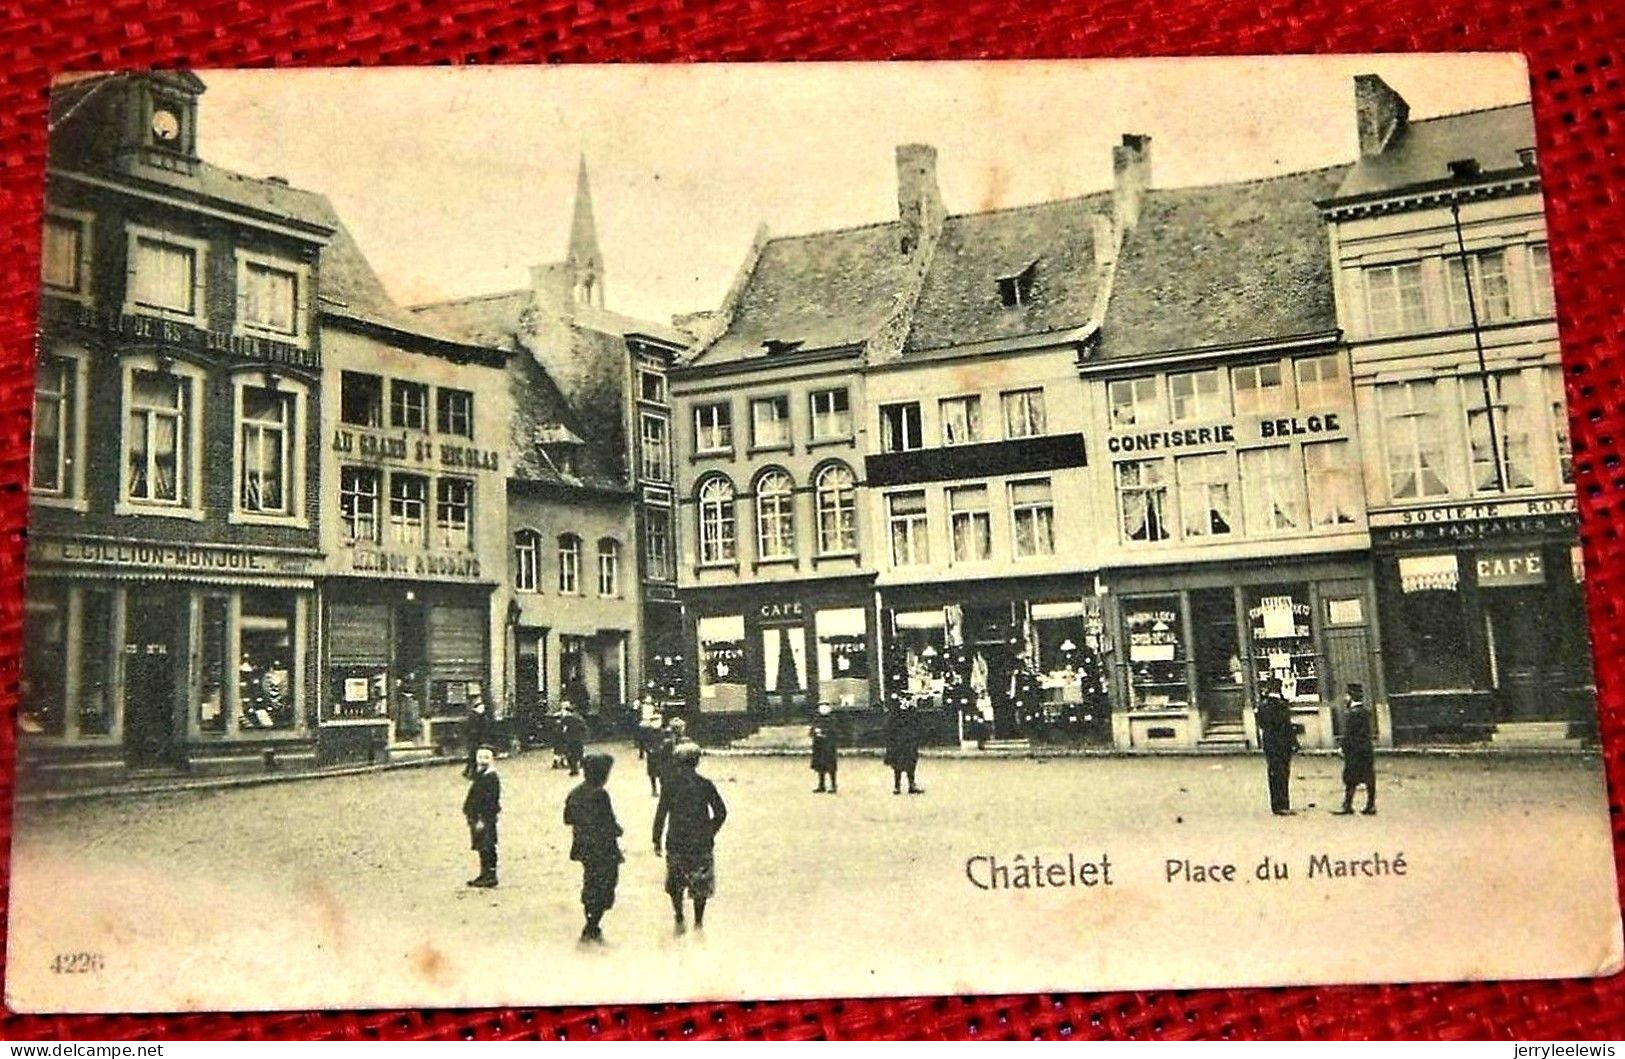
{"x": 694, "y": 811}
{"x": 594, "y": 845}
{"x": 825, "y": 756}
{"x": 481, "y": 807}
{"x": 1359, "y": 760}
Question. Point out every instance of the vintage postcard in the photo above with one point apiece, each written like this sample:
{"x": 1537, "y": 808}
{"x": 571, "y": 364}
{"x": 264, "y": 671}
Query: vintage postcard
{"x": 570, "y": 535}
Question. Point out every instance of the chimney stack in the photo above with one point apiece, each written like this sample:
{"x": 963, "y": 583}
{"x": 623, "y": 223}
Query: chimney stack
{"x": 1380, "y": 112}
{"x": 1131, "y": 176}
{"x": 919, "y": 202}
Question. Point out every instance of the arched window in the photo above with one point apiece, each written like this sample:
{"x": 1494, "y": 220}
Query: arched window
{"x": 527, "y": 560}
{"x": 837, "y": 501}
{"x": 570, "y": 564}
{"x": 716, "y": 504}
{"x": 775, "y": 516}
{"x": 609, "y": 567}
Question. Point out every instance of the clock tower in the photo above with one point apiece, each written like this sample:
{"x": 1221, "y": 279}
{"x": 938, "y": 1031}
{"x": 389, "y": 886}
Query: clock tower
{"x": 138, "y": 119}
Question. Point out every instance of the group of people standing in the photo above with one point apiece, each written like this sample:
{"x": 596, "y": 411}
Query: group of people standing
{"x": 687, "y": 818}
{"x": 1278, "y": 739}
{"x": 902, "y": 749}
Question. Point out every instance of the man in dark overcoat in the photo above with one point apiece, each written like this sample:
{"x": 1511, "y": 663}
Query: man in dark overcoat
{"x": 1278, "y": 738}
{"x": 903, "y": 747}
{"x": 1359, "y": 757}
{"x": 825, "y": 748}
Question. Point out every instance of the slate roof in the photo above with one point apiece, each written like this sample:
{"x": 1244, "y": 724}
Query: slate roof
{"x": 496, "y": 318}
{"x": 823, "y": 290}
{"x": 1423, "y": 151}
{"x": 1222, "y": 265}
{"x": 960, "y": 301}
{"x": 349, "y": 288}
{"x": 541, "y": 414}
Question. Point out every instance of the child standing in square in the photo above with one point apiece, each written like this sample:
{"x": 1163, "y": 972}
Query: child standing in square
{"x": 588, "y": 811}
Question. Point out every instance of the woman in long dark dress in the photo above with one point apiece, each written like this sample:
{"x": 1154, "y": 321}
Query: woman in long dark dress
{"x": 903, "y": 748}
{"x": 825, "y": 748}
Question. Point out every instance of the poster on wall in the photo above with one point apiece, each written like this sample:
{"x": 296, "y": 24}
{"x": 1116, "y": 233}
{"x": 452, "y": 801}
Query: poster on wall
{"x": 968, "y": 446}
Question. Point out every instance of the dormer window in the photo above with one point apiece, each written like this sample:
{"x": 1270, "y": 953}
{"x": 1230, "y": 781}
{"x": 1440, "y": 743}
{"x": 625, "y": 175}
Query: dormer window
{"x": 1526, "y": 157}
{"x": 1463, "y": 168}
{"x": 1017, "y": 290}
{"x": 776, "y": 346}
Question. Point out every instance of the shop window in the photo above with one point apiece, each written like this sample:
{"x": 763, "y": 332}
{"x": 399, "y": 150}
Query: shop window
{"x": 95, "y": 703}
{"x": 836, "y": 498}
{"x": 1032, "y": 514}
{"x": 1068, "y": 669}
{"x": 609, "y": 567}
{"x": 657, "y": 543}
{"x": 1283, "y": 638}
{"x": 271, "y": 297}
{"x": 159, "y": 438}
{"x": 717, "y": 523}
{"x": 1486, "y": 272}
{"x": 1207, "y": 486}
{"x": 900, "y": 427}
{"x": 1135, "y": 402}
{"x": 920, "y": 640}
{"x": 166, "y": 276}
{"x": 654, "y": 452}
{"x": 527, "y": 552}
{"x": 454, "y": 513}
{"x": 1272, "y": 490}
{"x": 1142, "y": 497}
{"x": 266, "y": 661}
{"x": 1024, "y": 415}
{"x": 408, "y": 405}
{"x": 1320, "y": 381}
{"x": 970, "y": 524}
{"x": 1260, "y": 389}
{"x": 266, "y": 451}
{"x": 1336, "y": 495}
{"x": 843, "y": 655}
{"x": 454, "y": 412}
{"x": 42, "y": 706}
{"x": 64, "y": 255}
{"x": 1511, "y": 411}
{"x": 722, "y": 664}
{"x": 1156, "y": 653}
{"x": 1540, "y": 279}
{"x": 1198, "y": 395}
{"x": 56, "y": 441}
{"x": 770, "y": 422}
{"x": 408, "y": 509}
{"x": 570, "y": 564}
{"x": 831, "y": 414}
{"x": 1396, "y": 301}
{"x": 713, "y": 427}
{"x": 775, "y": 517}
{"x": 1413, "y": 436}
{"x": 961, "y": 419}
{"x": 1560, "y": 424}
{"x": 214, "y": 688}
{"x": 358, "y": 504}
{"x": 361, "y": 399}
{"x": 1429, "y": 640}
{"x": 910, "y": 528}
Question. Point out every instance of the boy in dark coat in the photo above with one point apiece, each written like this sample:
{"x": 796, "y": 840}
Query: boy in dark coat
{"x": 591, "y": 817}
{"x": 480, "y": 808}
{"x": 573, "y": 737}
{"x": 660, "y": 750}
{"x": 825, "y": 748}
{"x": 1359, "y": 759}
{"x": 1278, "y": 738}
{"x": 903, "y": 748}
{"x": 689, "y": 815}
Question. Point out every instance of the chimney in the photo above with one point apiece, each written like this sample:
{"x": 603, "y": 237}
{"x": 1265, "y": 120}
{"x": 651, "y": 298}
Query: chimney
{"x": 1380, "y": 112}
{"x": 1131, "y": 175}
{"x": 919, "y": 202}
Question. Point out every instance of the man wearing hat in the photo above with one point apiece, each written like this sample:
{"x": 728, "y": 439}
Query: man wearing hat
{"x": 481, "y": 808}
{"x": 825, "y": 756}
{"x": 1359, "y": 760}
{"x": 1278, "y": 738}
{"x": 689, "y": 815}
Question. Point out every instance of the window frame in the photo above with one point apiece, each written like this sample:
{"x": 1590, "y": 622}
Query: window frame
{"x": 663, "y": 386}
{"x": 1219, "y": 398}
{"x": 1025, "y": 394}
{"x": 84, "y": 222}
{"x": 782, "y": 512}
{"x": 300, "y": 310}
{"x": 568, "y": 551}
{"x": 1283, "y": 401}
{"x": 975, "y": 426}
{"x": 1340, "y": 399}
{"x": 1401, "y": 311}
{"x": 72, "y": 426}
{"x": 1410, "y": 414}
{"x": 662, "y": 469}
{"x": 426, "y": 515}
{"x": 297, "y": 396}
{"x": 1168, "y": 514}
{"x": 1457, "y": 312}
{"x": 886, "y": 432}
{"x": 723, "y": 426}
{"x": 1527, "y": 412}
{"x": 661, "y": 567}
{"x": 836, "y": 507}
{"x": 1154, "y": 405}
{"x": 380, "y": 405}
{"x": 609, "y": 568}
{"x": 442, "y": 408}
{"x": 527, "y": 573}
{"x": 777, "y": 400}
{"x": 399, "y": 387}
{"x": 191, "y": 430}
{"x": 1542, "y": 296}
{"x": 443, "y": 505}
{"x": 198, "y": 317}
{"x": 1017, "y": 509}
{"x": 1288, "y": 475}
{"x": 814, "y": 415}
{"x": 1187, "y": 487}
{"x": 917, "y": 527}
{"x": 379, "y": 497}
{"x": 1347, "y": 468}
{"x": 726, "y": 538}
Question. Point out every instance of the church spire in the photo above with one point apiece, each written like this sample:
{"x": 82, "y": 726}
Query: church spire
{"x": 583, "y": 256}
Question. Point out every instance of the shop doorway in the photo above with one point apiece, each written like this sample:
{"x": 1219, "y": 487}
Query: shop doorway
{"x": 785, "y": 694}
{"x": 412, "y": 663}
{"x": 530, "y": 682}
{"x": 152, "y": 626}
{"x": 1220, "y": 681}
{"x": 1521, "y": 651}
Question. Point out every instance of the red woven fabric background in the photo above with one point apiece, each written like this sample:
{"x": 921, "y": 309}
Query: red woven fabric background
{"x": 1576, "y": 51}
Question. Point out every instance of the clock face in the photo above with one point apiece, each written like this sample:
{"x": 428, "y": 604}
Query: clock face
{"x": 166, "y": 125}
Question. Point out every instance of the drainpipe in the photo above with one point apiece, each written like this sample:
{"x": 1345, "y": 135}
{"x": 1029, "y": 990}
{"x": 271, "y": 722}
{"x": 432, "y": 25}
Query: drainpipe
{"x": 1478, "y": 344}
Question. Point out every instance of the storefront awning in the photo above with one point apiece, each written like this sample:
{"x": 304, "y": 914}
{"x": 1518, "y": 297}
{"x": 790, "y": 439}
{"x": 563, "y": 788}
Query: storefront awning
{"x": 224, "y": 580}
{"x": 1429, "y": 573}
